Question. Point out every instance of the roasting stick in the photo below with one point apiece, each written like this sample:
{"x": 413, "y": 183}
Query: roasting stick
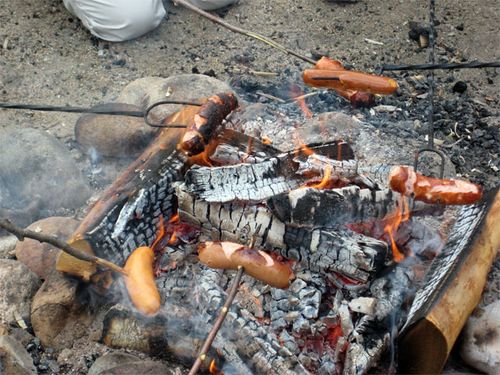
{"x": 22, "y": 233}
{"x": 222, "y": 315}
{"x": 218, "y": 323}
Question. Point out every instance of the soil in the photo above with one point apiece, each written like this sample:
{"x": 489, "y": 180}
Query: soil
{"x": 46, "y": 56}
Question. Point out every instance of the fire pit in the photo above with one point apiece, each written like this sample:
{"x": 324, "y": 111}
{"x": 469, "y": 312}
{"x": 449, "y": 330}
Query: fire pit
{"x": 357, "y": 250}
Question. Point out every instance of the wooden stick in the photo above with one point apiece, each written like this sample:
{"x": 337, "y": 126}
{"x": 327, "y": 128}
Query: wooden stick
{"x": 239, "y": 30}
{"x": 218, "y": 323}
{"x": 22, "y": 233}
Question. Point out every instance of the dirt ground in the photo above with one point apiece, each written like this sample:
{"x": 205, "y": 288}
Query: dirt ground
{"x": 46, "y": 56}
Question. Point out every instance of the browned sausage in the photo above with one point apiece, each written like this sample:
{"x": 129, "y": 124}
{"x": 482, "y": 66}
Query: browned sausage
{"x": 433, "y": 190}
{"x": 140, "y": 281}
{"x": 258, "y": 264}
{"x": 350, "y": 80}
{"x": 205, "y": 122}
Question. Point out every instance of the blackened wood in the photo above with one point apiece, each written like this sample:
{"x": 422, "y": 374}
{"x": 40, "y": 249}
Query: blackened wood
{"x": 334, "y": 250}
{"x": 242, "y": 182}
{"x": 310, "y": 207}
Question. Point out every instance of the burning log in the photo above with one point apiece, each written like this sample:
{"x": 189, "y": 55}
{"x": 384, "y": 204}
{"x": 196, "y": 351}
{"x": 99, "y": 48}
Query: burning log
{"x": 340, "y": 250}
{"x": 242, "y": 182}
{"x": 310, "y": 207}
{"x": 127, "y": 214}
{"x": 452, "y": 288}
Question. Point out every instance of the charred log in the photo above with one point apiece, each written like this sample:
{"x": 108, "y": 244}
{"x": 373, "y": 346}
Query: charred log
{"x": 127, "y": 214}
{"x": 309, "y": 207}
{"x": 241, "y": 182}
{"x": 338, "y": 250}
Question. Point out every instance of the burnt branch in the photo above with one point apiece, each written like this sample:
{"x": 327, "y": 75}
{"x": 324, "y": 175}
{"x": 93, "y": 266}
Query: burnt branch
{"x": 21, "y": 234}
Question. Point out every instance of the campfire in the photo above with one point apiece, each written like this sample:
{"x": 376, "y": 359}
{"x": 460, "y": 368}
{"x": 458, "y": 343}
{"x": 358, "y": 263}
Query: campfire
{"x": 331, "y": 249}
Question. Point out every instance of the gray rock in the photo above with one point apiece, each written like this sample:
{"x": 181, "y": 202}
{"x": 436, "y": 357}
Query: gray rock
{"x": 7, "y": 245}
{"x": 149, "y": 90}
{"x": 41, "y": 257}
{"x": 19, "y": 285}
{"x": 38, "y": 176}
{"x": 110, "y": 361}
{"x": 481, "y": 343}
{"x": 114, "y": 136}
{"x": 14, "y": 359}
{"x": 51, "y": 309}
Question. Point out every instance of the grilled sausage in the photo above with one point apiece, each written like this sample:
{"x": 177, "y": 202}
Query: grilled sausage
{"x": 433, "y": 190}
{"x": 206, "y": 121}
{"x": 350, "y": 80}
{"x": 140, "y": 281}
{"x": 258, "y": 264}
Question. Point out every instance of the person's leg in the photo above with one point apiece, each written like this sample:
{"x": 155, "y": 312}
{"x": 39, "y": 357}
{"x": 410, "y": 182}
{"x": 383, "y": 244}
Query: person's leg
{"x": 117, "y": 20}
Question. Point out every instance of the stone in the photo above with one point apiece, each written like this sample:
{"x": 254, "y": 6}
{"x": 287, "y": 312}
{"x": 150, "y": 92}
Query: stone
{"x": 41, "y": 257}
{"x": 51, "y": 308}
{"x": 140, "y": 367}
{"x": 19, "y": 285}
{"x": 481, "y": 341}
{"x": 149, "y": 90}
{"x": 111, "y": 360}
{"x": 14, "y": 359}
{"x": 7, "y": 245}
{"x": 113, "y": 136}
{"x": 125, "y": 329}
{"x": 38, "y": 177}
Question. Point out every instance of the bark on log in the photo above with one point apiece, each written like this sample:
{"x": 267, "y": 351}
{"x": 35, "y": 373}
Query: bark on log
{"x": 453, "y": 288}
{"x": 126, "y": 215}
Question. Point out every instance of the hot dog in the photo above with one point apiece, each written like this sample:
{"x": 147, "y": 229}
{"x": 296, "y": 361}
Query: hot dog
{"x": 433, "y": 190}
{"x": 140, "y": 281}
{"x": 256, "y": 263}
{"x": 208, "y": 118}
{"x": 350, "y": 80}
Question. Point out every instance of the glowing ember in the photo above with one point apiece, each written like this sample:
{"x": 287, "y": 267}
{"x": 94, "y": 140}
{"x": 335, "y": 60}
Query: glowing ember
{"x": 393, "y": 222}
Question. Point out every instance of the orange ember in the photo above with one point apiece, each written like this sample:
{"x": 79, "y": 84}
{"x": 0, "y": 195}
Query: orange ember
{"x": 393, "y": 222}
{"x": 203, "y": 158}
